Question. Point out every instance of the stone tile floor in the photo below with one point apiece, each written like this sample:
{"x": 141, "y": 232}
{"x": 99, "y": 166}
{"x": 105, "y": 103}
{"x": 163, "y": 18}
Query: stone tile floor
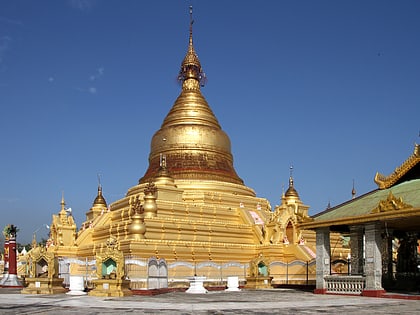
{"x": 276, "y": 301}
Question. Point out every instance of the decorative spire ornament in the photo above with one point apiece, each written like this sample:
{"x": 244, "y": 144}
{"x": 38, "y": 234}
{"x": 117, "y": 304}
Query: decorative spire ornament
{"x": 191, "y": 66}
{"x": 291, "y": 191}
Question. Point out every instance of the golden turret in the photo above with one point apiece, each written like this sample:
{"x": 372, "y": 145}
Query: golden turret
{"x": 99, "y": 200}
{"x": 291, "y": 191}
{"x": 63, "y": 227}
{"x": 99, "y": 206}
{"x": 191, "y": 139}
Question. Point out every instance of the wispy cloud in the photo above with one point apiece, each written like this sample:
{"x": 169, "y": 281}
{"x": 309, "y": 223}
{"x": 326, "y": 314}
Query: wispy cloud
{"x": 10, "y": 200}
{"x": 82, "y": 5}
{"x": 4, "y": 46}
{"x": 6, "y": 20}
{"x": 91, "y": 89}
{"x": 99, "y": 73}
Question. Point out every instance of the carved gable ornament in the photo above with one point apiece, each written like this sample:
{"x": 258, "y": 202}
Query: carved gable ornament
{"x": 391, "y": 203}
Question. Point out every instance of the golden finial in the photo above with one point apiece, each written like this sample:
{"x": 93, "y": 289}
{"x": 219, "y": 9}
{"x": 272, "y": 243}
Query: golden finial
{"x": 291, "y": 191}
{"x": 291, "y": 174}
{"x": 63, "y": 203}
{"x": 191, "y": 66}
{"x": 291, "y": 177}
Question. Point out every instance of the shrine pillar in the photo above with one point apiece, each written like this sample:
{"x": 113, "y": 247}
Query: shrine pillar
{"x": 6, "y": 256}
{"x": 10, "y": 279}
{"x": 356, "y": 248}
{"x": 373, "y": 260}
{"x": 12, "y": 256}
{"x": 323, "y": 257}
{"x": 388, "y": 265}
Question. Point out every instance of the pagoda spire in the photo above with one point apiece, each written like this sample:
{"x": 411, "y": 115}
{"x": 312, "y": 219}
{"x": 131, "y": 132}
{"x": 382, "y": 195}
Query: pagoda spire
{"x": 291, "y": 191}
{"x": 63, "y": 211}
{"x": 63, "y": 203}
{"x": 191, "y": 66}
{"x": 191, "y": 24}
{"x": 99, "y": 200}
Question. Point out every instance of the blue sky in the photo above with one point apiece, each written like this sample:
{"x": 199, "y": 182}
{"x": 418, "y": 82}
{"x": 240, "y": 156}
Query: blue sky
{"x": 330, "y": 87}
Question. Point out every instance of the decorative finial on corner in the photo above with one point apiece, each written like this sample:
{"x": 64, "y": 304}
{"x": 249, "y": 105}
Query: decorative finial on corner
{"x": 353, "y": 192}
{"x": 416, "y": 149}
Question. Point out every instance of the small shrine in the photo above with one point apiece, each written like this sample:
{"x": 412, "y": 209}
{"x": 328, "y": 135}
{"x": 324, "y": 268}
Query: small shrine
{"x": 111, "y": 279}
{"x": 62, "y": 231}
{"x": 259, "y": 274}
{"x": 43, "y": 272}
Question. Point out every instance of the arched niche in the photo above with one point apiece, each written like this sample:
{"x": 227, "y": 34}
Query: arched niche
{"x": 290, "y": 232}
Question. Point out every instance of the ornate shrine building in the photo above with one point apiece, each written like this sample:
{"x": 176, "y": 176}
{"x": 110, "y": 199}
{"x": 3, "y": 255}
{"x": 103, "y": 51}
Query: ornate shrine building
{"x": 384, "y": 229}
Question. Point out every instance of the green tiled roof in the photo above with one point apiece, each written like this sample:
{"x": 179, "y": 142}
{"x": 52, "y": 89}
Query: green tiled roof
{"x": 409, "y": 192}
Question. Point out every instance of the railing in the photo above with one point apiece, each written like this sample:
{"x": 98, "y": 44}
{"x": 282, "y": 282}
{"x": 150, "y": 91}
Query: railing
{"x": 345, "y": 284}
{"x": 295, "y": 272}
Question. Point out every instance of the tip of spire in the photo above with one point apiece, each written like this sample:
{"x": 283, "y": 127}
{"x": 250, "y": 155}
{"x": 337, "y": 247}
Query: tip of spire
{"x": 191, "y": 67}
{"x": 62, "y": 198}
{"x": 62, "y": 203}
{"x": 291, "y": 191}
{"x": 291, "y": 176}
{"x": 99, "y": 180}
{"x": 191, "y": 24}
{"x": 191, "y": 12}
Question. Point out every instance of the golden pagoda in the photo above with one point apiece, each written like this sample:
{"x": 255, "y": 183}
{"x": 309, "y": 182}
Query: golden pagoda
{"x": 191, "y": 209}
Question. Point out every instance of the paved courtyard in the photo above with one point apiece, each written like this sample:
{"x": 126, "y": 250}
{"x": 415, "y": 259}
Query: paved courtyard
{"x": 277, "y": 301}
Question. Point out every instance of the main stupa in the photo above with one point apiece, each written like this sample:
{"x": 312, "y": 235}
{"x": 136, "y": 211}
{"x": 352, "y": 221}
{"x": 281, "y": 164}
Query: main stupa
{"x": 190, "y": 207}
{"x": 191, "y": 140}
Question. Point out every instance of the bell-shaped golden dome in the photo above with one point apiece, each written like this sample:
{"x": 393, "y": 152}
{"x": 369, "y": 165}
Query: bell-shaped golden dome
{"x": 291, "y": 191}
{"x": 99, "y": 200}
{"x": 191, "y": 139}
